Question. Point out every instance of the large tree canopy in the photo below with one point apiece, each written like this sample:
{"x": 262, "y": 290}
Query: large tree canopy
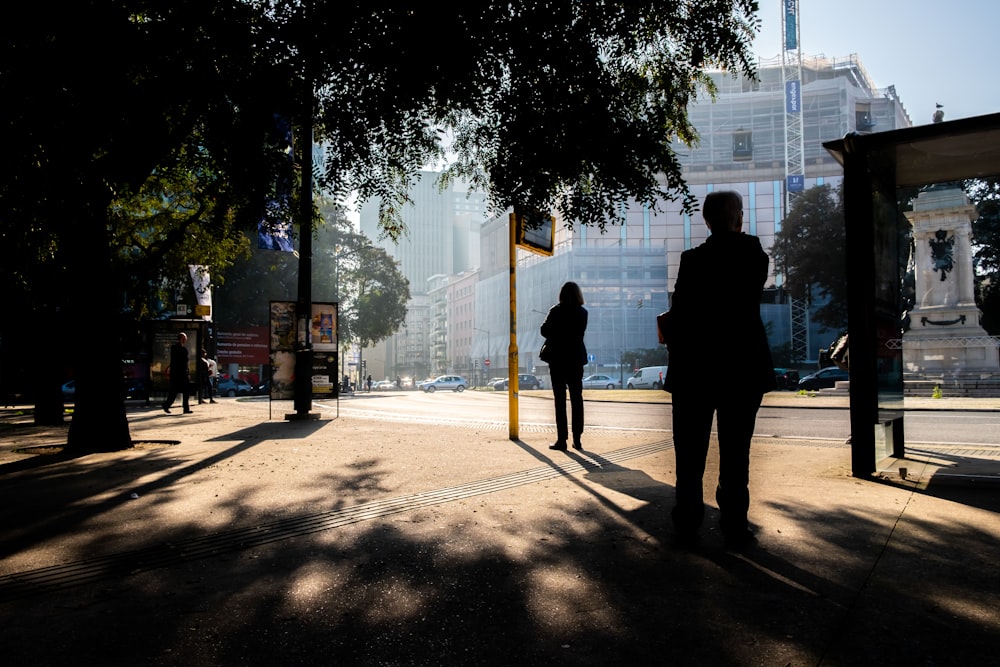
{"x": 546, "y": 105}
{"x": 810, "y": 251}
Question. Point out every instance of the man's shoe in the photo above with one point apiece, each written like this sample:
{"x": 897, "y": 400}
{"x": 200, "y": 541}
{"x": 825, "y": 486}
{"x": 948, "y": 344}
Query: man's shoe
{"x": 166, "y": 409}
{"x": 187, "y": 412}
{"x": 212, "y": 401}
{"x": 560, "y": 446}
{"x": 577, "y": 445}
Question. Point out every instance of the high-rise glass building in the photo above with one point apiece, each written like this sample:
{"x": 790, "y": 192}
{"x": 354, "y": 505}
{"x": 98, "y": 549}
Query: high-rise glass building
{"x": 627, "y": 273}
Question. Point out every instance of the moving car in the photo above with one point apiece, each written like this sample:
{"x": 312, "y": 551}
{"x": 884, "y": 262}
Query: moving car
{"x": 600, "y": 382}
{"x": 234, "y": 387}
{"x": 824, "y": 378}
{"x": 384, "y": 385}
{"x": 453, "y": 382}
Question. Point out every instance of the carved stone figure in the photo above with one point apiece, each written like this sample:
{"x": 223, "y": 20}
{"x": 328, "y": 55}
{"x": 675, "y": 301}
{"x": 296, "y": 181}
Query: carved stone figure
{"x": 942, "y": 249}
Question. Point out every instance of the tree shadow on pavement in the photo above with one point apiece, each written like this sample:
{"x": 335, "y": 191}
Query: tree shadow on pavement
{"x": 48, "y": 499}
{"x": 566, "y": 570}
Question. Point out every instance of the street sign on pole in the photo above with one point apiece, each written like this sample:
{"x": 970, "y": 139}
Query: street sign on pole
{"x": 536, "y": 233}
{"x": 486, "y": 363}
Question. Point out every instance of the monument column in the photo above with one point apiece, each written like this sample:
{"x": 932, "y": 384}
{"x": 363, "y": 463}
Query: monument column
{"x": 945, "y": 339}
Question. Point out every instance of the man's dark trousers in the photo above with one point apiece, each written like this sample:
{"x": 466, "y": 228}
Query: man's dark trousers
{"x": 692, "y": 425}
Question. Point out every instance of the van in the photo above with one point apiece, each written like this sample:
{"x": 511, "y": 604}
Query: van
{"x": 650, "y": 377}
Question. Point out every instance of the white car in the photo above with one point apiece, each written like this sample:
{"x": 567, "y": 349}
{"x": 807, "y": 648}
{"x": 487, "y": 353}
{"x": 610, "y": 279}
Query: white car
{"x": 600, "y": 382}
{"x": 453, "y": 382}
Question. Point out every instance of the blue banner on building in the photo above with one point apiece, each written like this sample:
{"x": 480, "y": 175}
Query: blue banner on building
{"x": 796, "y": 183}
{"x": 791, "y": 31}
{"x": 274, "y": 230}
{"x": 793, "y": 97}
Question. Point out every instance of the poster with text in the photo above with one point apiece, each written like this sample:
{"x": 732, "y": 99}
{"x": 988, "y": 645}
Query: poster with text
{"x": 324, "y": 375}
{"x": 324, "y": 327}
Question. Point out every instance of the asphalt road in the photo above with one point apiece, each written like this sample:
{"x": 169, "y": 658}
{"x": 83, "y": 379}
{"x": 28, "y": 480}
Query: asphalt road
{"x": 617, "y": 410}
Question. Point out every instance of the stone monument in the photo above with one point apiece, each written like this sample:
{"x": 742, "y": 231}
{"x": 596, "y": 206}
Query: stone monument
{"x": 945, "y": 340}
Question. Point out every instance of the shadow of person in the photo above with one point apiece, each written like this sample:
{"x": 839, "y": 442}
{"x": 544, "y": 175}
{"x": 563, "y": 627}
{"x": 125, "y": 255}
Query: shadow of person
{"x": 619, "y": 478}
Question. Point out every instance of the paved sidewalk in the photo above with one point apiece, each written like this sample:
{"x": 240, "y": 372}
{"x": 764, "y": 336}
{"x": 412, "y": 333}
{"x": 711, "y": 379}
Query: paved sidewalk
{"x": 226, "y": 538}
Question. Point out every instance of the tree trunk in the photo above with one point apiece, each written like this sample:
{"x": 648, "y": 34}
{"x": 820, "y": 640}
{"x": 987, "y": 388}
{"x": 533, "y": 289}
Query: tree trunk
{"x": 99, "y": 421}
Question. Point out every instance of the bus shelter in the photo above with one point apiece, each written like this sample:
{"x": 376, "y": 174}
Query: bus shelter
{"x": 875, "y": 166}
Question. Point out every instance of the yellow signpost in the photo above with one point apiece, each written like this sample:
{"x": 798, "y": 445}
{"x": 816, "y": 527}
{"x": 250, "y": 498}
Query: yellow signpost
{"x": 535, "y": 233}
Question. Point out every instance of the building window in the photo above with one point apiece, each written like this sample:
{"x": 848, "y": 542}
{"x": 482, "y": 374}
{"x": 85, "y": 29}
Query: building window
{"x": 863, "y": 118}
{"x": 742, "y": 146}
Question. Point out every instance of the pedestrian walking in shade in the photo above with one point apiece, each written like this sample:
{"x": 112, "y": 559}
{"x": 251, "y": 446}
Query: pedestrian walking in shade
{"x": 180, "y": 377}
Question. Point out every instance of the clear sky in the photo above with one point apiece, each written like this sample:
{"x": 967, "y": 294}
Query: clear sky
{"x": 945, "y": 51}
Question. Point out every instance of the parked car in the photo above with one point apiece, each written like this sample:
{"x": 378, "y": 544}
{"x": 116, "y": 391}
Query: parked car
{"x": 600, "y": 382}
{"x": 132, "y": 389}
{"x": 234, "y": 387}
{"x": 137, "y": 389}
{"x": 648, "y": 377}
{"x": 524, "y": 381}
{"x": 263, "y": 389}
{"x": 453, "y": 382}
{"x": 786, "y": 378}
{"x": 824, "y": 378}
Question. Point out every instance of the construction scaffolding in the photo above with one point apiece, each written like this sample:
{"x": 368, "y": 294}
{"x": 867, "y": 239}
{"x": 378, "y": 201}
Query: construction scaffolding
{"x": 791, "y": 71}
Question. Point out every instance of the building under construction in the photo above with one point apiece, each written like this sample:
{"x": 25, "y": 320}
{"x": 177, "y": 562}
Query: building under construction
{"x": 761, "y": 137}
{"x": 747, "y": 142}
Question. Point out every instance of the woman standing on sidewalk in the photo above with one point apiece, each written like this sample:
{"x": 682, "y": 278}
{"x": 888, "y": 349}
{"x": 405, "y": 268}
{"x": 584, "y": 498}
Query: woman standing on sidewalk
{"x": 566, "y": 354}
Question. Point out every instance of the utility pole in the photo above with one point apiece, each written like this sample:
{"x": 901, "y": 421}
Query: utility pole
{"x": 303, "y": 307}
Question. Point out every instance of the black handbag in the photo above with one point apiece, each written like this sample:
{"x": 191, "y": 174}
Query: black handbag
{"x": 545, "y": 354}
{"x": 663, "y": 326}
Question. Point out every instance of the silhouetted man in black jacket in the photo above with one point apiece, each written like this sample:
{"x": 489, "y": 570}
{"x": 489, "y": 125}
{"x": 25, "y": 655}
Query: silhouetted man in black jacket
{"x": 720, "y": 364}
